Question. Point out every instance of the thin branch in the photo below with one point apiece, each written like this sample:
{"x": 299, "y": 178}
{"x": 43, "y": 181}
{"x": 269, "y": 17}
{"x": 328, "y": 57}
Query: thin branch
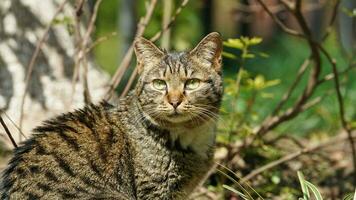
{"x": 173, "y": 19}
{"x": 129, "y": 83}
{"x": 82, "y": 50}
{"x": 14, "y": 124}
{"x": 331, "y": 75}
{"x": 294, "y": 155}
{"x": 83, "y": 55}
{"x": 289, "y": 92}
{"x": 33, "y": 60}
{"x": 8, "y": 132}
{"x": 78, "y": 41}
{"x": 332, "y": 19}
{"x": 167, "y": 12}
{"x": 340, "y": 100}
{"x": 278, "y": 22}
{"x": 100, "y": 40}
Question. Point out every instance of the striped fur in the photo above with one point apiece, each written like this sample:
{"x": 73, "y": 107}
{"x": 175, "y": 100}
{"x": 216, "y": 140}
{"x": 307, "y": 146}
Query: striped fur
{"x": 135, "y": 150}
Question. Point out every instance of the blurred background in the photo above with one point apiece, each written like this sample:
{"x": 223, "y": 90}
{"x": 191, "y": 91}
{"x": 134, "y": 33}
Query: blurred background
{"x": 283, "y": 110}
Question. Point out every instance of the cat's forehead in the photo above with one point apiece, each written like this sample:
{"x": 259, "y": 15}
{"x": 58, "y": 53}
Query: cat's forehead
{"x": 175, "y": 58}
{"x": 177, "y": 65}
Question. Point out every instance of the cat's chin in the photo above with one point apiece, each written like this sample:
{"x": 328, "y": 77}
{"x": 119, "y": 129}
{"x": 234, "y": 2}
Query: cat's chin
{"x": 177, "y": 118}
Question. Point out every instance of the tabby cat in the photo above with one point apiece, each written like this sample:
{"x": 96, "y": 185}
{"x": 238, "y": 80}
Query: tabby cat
{"x": 157, "y": 143}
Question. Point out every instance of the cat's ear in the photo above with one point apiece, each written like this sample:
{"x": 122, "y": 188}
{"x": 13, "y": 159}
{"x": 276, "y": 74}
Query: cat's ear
{"x": 208, "y": 51}
{"x": 146, "y": 52}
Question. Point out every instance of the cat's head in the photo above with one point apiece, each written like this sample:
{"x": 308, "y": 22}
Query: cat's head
{"x": 180, "y": 87}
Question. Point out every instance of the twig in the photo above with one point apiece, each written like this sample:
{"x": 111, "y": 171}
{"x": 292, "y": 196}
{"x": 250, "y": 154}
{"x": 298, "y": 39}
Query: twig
{"x": 331, "y": 75}
{"x": 340, "y": 100}
{"x": 173, "y": 19}
{"x": 332, "y": 19}
{"x": 167, "y": 12}
{"x": 8, "y": 132}
{"x": 278, "y": 22}
{"x": 78, "y": 41}
{"x": 292, "y": 156}
{"x": 82, "y": 56}
{"x": 129, "y": 83}
{"x": 100, "y": 40}
{"x": 13, "y": 123}
{"x": 289, "y": 92}
{"x": 33, "y": 60}
{"x": 127, "y": 58}
{"x": 87, "y": 97}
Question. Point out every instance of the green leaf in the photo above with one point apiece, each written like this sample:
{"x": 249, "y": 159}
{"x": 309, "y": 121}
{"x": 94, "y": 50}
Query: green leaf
{"x": 248, "y": 55}
{"x": 314, "y": 189}
{"x": 272, "y": 83}
{"x": 263, "y": 55}
{"x": 306, "y": 195}
{"x": 234, "y": 43}
{"x": 235, "y": 191}
{"x": 229, "y": 55}
{"x": 255, "y": 41}
{"x": 349, "y": 196}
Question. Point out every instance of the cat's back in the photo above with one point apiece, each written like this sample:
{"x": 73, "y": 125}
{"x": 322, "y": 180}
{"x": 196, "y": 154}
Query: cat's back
{"x": 73, "y": 156}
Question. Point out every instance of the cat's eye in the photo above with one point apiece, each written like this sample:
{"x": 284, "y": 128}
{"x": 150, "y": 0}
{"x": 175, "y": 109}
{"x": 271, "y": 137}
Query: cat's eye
{"x": 159, "y": 84}
{"x": 192, "y": 84}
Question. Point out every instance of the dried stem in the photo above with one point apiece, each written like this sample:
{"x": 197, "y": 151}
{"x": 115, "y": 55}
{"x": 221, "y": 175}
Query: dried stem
{"x": 340, "y": 100}
{"x": 14, "y": 124}
{"x": 167, "y": 12}
{"x": 100, "y": 40}
{"x": 33, "y": 61}
{"x": 278, "y": 22}
{"x": 289, "y": 92}
{"x": 81, "y": 55}
{"x": 294, "y": 155}
{"x": 173, "y": 19}
{"x": 8, "y": 132}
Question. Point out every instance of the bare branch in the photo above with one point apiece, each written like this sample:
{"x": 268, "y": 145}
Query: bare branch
{"x": 278, "y": 22}
{"x": 100, "y": 40}
{"x": 129, "y": 83}
{"x": 173, "y": 19}
{"x": 289, "y": 92}
{"x": 340, "y": 100}
{"x": 7, "y": 132}
{"x": 81, "y": 55}
{"x": 294, "y": 155}
{"x": 33, "y": 60}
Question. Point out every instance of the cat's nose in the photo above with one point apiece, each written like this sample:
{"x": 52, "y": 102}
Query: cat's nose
{"x": 175, "y": 104}
{"x": 175, "y": 99}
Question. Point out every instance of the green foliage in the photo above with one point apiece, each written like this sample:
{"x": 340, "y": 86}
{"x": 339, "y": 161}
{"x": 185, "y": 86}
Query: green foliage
{"x": 349, "y": 196}
{"x": 242, "y": 90}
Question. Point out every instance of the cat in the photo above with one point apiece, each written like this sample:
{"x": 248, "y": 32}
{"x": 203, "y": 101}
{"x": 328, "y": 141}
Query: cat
{"x": 156, "y": 143}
